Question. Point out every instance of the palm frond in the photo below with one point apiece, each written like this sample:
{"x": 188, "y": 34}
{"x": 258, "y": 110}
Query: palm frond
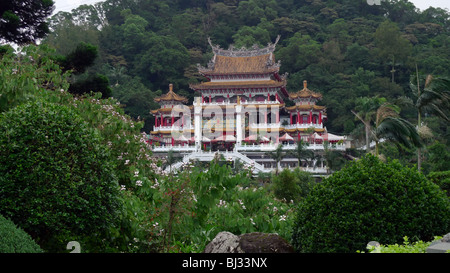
{"x": 399, "y": 130}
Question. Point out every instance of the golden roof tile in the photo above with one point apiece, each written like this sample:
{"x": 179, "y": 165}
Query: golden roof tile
{"x": 305, "y": 93}
{"x": 171, "y": 96}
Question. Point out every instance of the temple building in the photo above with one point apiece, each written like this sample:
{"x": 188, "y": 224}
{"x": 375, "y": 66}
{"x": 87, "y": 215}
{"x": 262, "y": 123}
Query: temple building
{"x": 240, "y": 112}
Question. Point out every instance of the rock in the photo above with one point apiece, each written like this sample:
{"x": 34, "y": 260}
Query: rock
{"x": 440, "y": 246}
{"x": 256, "y": 242}
{"x": 224, "y": 242}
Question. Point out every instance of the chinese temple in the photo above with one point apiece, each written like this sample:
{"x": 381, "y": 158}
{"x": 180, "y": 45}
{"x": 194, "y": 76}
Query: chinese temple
{"x": 240, "y": 112}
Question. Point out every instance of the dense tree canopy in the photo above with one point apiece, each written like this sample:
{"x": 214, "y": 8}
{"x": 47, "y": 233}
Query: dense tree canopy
{"x": 24, "y": 21}
{"x": 346, "y": 49}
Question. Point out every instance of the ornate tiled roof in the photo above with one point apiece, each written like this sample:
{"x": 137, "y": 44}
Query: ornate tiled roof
{"x": 241, "y": 61}
{"x": 305, "y": 93}
{"x": 171, "y": 96}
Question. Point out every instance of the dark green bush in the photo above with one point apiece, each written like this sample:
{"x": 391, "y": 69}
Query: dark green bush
{"x": 366, "y": 201}
{"x": 56, "y": 179}
{"x": 442, "y": 179}
{"x": 15, "y": 240}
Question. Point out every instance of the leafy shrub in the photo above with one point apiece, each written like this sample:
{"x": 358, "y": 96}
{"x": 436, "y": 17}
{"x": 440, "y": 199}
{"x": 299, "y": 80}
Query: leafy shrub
{"x": 442, "y": 179}
{"x": 370, "y": 200}
{"x": 187, "y": 210}
{"x": 56, "y": 179}
{"x": 292, "y": 185}
{"x": 28, "y": 76}
{"x": 15, "y": 240}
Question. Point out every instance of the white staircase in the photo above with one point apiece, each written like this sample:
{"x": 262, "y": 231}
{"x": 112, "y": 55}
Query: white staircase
{"x": 209, "y": 156}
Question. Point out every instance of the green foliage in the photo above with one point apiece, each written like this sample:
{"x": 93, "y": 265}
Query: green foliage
{"x": 28, "y": 77}
{"x": 442, "y": 179}
{"x": 186, "y": 210}
{"x": 93, "y": 83}
{"x": 15, "y": 240}
{"x": 366, "y": 201}
{"x": 292, "y": 186}
{"x": 24, "y": 21}
{"x": 51, "y": 161}
{"x": 80, "y": 58}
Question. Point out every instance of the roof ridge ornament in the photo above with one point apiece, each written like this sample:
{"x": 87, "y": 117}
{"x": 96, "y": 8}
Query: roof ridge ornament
{"x": 232, "y": 51}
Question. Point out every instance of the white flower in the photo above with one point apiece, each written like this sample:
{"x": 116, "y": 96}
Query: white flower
{"x": 139, "y": 183}
{"x": 122, "y": 187}
{"x": 283, "y": 218}
{"x": 136, "y": 173}
{"x": 127, "y": 161}
{"x": 242, "y": 203}
{"x": 251, "y": 220}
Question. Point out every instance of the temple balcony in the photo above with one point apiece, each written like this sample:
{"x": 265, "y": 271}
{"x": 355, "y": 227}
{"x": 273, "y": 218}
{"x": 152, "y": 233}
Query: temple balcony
{"x": 172, "y": 128}
{"x": 286, "y": 147}
{"x": 242, "y": 103}
{"x": 175, "y": 148}
{"x": 265, "y": 125}
{"x": 304, "y": 126}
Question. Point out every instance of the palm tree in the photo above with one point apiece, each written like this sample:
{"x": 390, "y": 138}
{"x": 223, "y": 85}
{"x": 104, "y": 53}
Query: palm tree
{"x": 332, "y": 157}
{"x": 277, "y": 155}
{"x": 300, "y": 151}
{"x": 366, "y": 108}
{"x": 433, "y": 99}
{"x": 390, "y": 126}
{"x": 171, "y": 159}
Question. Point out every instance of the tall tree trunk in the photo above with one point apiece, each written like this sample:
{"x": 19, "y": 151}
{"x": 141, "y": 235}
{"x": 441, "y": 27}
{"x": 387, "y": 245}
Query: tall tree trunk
{"x": 419, "y": 154}
{"x": 367, "y": 138}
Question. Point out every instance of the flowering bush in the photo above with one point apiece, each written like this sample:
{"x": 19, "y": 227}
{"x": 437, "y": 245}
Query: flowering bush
{"x": 189, "y": 209}
{"x": 56, "y": 178}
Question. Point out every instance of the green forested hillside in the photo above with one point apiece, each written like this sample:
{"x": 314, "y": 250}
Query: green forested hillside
{"x": 345, "y": 48}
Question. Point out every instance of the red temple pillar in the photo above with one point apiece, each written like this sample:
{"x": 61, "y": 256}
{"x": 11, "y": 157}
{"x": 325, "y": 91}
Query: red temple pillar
{"x": 320, "y": 117}
{"x": 298, "y": 117}
{"x": 156, "y": 121}
{"x": 268, "y": 96}
{"x": 310, "y": 116}
{"x": 173, "y": 120}
{"x": 203, "y": 99}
